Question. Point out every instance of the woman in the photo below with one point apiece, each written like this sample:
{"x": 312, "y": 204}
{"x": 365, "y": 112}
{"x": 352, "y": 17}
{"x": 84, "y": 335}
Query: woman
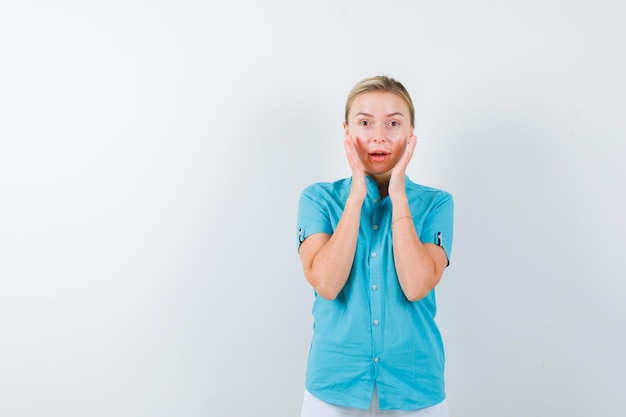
{"x": 373, "y": 247}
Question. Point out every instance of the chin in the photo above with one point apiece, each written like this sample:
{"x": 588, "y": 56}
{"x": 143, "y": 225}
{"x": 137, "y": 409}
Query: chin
{"x": 379, "y": 173}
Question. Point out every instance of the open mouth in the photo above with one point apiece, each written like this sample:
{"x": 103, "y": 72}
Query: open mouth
{"x": 378, "y": 156}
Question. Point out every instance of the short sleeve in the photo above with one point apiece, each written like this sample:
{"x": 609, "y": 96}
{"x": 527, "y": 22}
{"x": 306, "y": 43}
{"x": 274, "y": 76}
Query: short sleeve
{"x": 438, "y": 225}
{"x": 313, "y": 214}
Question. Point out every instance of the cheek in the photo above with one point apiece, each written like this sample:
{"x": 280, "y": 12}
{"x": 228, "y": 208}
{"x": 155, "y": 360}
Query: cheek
{"x": 399, "y": 135}
{"x": 359, "y": 140}
{"x": 400, "y": 144}
{"x": 360, "y": 147}
{"x": 357, "y": 131}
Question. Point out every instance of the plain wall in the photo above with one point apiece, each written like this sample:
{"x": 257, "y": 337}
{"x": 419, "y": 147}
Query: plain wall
{"x": 151, "y": 158}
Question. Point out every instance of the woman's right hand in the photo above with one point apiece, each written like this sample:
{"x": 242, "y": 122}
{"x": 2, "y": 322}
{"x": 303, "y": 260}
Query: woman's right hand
{"x": 327, "y": 259}
{"x": 358, "y": 190}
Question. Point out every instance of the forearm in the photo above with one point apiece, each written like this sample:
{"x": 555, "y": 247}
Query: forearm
{"x": 331, "y": 266}
{"x": 416, "y": 270}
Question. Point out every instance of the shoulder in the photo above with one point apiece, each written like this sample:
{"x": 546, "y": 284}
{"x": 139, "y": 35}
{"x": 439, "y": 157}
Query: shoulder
{"x": 427, "y": 194}
{"x": 323, "y": 189}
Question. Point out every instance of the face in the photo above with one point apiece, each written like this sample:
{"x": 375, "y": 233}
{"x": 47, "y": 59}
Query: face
{"x": 380, "y": 124}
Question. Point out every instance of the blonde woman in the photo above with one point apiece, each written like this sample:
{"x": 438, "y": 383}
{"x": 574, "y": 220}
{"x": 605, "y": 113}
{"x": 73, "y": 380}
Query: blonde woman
{"x": 373, "y": 247}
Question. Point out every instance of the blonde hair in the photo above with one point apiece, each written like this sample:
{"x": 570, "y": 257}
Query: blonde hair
{"x": 380, "y": 83}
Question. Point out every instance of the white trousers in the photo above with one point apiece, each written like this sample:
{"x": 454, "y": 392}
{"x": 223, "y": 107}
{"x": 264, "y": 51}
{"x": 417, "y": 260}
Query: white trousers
{"x": 314, "y": 407}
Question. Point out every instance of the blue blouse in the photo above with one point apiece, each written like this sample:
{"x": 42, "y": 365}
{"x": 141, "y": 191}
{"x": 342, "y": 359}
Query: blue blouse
{"x": 371, "y": 335}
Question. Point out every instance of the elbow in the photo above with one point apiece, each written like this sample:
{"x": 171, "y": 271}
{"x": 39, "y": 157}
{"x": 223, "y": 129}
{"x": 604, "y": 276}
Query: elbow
{"x": 420, "y": 291}
{"x": 416, "y": 295}
{"x": 323, "y": 289}
{"x": 326, "y": 292}
{"x": 327, "y": 295}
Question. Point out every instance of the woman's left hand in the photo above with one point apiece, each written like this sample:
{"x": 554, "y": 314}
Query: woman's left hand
{"x": 397, "y": 183}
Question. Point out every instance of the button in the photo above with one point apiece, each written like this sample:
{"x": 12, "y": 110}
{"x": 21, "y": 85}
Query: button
{"x": 375, "y": 227}
{"x": 375, "y": 200}
{"x": 373, "y": 254}
{"x": 376, "y": 360}
{"x": 374, "y": 287}
{"x": 375, "y": 322}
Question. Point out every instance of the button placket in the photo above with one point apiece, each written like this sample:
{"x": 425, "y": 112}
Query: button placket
{"x": 378, "y": 212}
{"x": 377, "y": 264}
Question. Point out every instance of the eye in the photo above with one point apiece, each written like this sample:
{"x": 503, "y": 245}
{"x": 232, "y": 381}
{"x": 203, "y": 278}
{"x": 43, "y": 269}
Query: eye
{"x": 394, "y": 124}
{"x": 364, "y": 123}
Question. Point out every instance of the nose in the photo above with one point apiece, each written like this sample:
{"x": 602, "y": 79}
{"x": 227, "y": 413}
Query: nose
{"x": 378, "y": 134}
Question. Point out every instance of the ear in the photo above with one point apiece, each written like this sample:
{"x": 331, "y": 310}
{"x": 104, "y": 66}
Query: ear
{"x": 345, "y": 128}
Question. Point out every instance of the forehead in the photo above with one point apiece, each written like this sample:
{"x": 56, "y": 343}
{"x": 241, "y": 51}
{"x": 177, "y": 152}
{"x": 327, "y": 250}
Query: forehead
{"x": 379, "y": 102}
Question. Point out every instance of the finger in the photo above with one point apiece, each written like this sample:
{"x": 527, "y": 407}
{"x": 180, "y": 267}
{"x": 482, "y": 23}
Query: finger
{"x": 350, "y": 153}
{"x": 350, "y": 140}
{"x": 410, "y": 148}
{"x": 407, "y": 156}
{"x": 350, "y": 144}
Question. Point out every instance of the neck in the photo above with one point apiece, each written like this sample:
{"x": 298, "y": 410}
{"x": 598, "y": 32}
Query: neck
{"x": 383, "y": 190}
{"x": 382, "y": 181}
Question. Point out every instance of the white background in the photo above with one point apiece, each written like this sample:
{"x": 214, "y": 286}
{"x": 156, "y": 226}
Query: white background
{"x": 151, "y": 158}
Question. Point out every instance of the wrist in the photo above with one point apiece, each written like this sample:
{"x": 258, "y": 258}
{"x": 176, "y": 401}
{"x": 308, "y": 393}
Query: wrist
{"x": 355, "y": 200}
{"x": 399, "y": 199}
{"x": 407, "y": 218}
{"x": 397, "y": 186}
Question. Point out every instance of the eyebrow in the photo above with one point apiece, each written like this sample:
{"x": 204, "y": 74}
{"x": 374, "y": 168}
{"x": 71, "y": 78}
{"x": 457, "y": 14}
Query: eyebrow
{"x": 389, "y": 115}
